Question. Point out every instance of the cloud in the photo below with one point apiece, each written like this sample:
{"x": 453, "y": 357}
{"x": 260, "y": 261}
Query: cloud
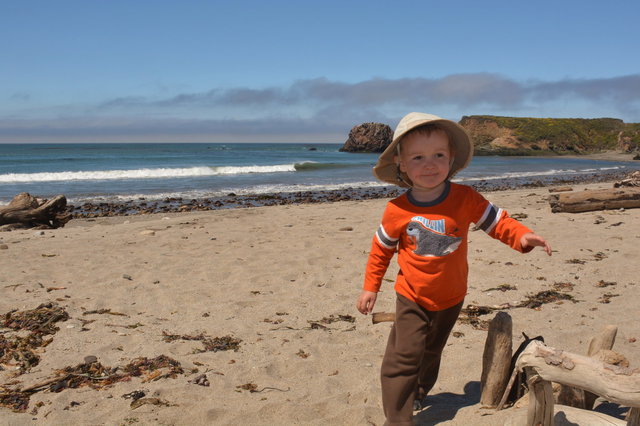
{"x": 459, "y": 90}
{"x": 162, "y": 130}
{"x": 625, "y": 91}
{"x": 322, "y": 108}
{"x": 20, "y": 97}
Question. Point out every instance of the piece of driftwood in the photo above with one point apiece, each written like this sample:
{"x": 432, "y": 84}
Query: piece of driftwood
{"x": 604, "y": 340}
{"x": 475, "y": 310}
{"x": 596, "y": 199}
{"x": 540, "y": 411}
{"x": 633, "y": 179}
{"x": 27, "y": 211}
{"x": 619, "y": 385}
{"x": 615, "y": 384}
{"x": 496, "y": 359}
{"x": 378, "y": 317}
{"x": 579, "y": 398}
{"x": 600, "y": 349}
{"x": 601, "y": 342}
{"x": 561, "y": 189}
{"x": 518, "y": 379}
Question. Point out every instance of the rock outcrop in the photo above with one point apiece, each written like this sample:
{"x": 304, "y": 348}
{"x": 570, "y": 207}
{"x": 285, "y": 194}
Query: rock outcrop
{"x": 494, "y": 135}
{"x": 368, "y": 137}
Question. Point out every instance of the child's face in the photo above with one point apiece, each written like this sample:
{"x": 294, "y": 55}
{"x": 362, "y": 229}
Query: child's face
{"x": 425, "y": 159}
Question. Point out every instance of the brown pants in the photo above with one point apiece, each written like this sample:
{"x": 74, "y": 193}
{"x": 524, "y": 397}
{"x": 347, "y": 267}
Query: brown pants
{"x": 412, "y": 358}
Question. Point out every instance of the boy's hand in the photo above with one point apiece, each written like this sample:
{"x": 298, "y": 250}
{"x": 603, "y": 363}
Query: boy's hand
{"x": 366, "y": 301}
{"x": 532, "y": 240}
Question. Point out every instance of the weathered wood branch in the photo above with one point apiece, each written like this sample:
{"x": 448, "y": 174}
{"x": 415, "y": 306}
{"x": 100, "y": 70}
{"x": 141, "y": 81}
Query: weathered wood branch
{"x": 603, "y": 341}
{"x": 597, "y": 199}
{"x": 25, "y": 210}
{"x": 579, "y": 398}
{"x": 378, "y": 317}
{"x": 540, "y": 410}
{"x": 561, "y": 189}
{"x": 632, "y": 180}
{"x": 496, "y": 360}
{"x": 616, "y": 384}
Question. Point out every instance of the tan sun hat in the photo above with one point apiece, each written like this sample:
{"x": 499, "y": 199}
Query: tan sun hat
{"x": 387, "y": 169}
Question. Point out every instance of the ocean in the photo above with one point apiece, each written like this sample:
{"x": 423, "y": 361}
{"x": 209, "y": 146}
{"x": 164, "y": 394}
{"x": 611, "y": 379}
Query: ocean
{"x": 118, "y": 172}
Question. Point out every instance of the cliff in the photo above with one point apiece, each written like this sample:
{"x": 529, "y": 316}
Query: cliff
{"x": 493, "y": 135}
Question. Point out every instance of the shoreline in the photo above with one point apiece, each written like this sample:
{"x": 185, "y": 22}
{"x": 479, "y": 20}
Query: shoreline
{"x": 233, "y": 201}
{"x": 611, "y": 155}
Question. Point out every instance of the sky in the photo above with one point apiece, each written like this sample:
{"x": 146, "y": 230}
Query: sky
{"x": 304, "y": 71}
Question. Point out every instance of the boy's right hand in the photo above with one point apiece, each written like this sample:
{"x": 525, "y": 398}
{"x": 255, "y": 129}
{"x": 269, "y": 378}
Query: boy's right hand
{"x": 366, "y": 301}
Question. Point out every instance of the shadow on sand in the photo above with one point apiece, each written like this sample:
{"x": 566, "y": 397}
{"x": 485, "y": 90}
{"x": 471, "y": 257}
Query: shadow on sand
{"x": 444, "y": 406}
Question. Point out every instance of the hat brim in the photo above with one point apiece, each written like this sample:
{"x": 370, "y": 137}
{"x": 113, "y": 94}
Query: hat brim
{"x": 387, "y": 169}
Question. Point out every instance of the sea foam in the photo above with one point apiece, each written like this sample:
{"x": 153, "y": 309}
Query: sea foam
{"x": 159, "y": 173}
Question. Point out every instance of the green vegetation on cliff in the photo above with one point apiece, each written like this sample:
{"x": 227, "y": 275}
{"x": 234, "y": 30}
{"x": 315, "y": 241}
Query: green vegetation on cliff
{"x": 523, "y": 135}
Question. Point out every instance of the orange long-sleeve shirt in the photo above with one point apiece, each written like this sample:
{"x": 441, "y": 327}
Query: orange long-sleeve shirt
{"x": 431, "y": 241}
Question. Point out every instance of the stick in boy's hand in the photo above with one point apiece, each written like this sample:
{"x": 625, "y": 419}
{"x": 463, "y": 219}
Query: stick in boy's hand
{"x": 378, "y": 317}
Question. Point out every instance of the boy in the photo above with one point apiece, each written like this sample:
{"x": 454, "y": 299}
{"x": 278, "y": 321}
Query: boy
{"x": 428, "y": 227}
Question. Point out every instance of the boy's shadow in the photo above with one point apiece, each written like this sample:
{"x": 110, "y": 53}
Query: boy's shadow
{"x": 444, "y": 406}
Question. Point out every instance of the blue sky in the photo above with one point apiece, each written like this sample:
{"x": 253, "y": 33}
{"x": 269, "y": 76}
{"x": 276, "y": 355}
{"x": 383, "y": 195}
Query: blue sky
{"x": 307, "y": 71}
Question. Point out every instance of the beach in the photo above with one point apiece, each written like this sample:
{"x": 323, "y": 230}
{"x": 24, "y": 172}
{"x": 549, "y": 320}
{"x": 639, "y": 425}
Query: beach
{"x": 260, "y": 300}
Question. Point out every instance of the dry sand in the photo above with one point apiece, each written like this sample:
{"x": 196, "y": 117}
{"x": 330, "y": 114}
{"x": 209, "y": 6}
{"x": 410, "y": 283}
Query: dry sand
{"x": 263, "y": 275}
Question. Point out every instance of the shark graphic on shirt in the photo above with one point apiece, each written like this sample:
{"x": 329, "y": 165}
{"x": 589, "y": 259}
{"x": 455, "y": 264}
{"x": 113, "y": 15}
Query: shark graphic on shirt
{"x": 428, "y": 239}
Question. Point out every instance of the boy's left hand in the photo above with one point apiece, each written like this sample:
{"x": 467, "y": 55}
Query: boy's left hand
{"x": 532, "y": 240}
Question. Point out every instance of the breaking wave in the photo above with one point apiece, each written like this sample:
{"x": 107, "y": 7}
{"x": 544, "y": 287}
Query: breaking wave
{"x": 162, "y": 173}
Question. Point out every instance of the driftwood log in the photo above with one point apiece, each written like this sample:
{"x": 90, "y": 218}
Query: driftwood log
{"x": 596, "y": 199}
{"x": 599, "y": 347}
{"x": 561, "y": 189}
{"x": 496, "y": 360}
{"x": 540, "y": 410}
{"x": 619, "y": 385}
{"x": 632, "y": 180}
{"x": 603, "y": 341}
{"x": 27, "y": 211}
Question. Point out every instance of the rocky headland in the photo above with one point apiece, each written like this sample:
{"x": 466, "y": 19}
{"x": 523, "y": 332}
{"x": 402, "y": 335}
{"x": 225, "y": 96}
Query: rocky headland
{"x": 368, "y": 137}
{"x": 494, "y": 135}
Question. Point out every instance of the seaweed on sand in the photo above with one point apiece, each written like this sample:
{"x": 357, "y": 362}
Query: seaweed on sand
{"x": 211, "y": 344}
{"x": 319, "y": 324}
{"x": 543, "y": 297}
{"x": 39, "y": 322}
{"x": 93, "y": 375}
{"x": 471, "y": 314}
{"x": 18, "y": 401}
{"x": 97, "y": 376}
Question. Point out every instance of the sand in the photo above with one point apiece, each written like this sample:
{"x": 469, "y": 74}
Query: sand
{"x": 269, "y": 276}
